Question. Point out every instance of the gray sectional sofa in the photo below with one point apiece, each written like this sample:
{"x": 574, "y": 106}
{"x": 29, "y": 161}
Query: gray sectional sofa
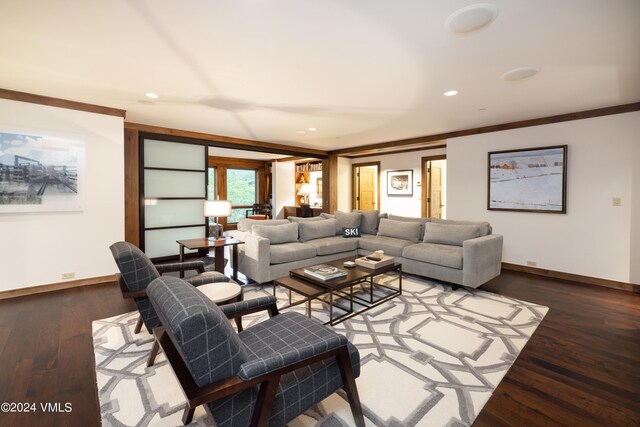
{"x": 460, "y": 252}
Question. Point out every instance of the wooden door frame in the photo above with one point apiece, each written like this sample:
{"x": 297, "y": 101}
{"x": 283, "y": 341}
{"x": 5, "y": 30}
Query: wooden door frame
{"x": 423, "y": 184}
{"x": 353, "y": 181}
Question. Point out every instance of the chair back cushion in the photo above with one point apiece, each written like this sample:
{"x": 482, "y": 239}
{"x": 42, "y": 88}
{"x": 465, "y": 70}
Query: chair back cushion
{"x": 136, "y": 268}
{"x": 200, "y": 331}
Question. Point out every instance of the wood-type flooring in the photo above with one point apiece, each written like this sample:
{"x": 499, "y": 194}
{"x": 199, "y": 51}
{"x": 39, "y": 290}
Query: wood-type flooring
{"x": 580, "y": 368}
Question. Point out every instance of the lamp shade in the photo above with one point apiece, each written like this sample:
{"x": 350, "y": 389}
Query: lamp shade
{"x": 217, "y": 208}
{"x": 305, "y": 189}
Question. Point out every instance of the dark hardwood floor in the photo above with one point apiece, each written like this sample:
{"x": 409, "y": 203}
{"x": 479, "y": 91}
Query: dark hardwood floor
{"x": 580, "y": 368}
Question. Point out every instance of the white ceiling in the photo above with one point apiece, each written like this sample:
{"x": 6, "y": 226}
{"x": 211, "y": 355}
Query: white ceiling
{"x": 360, "y": 72}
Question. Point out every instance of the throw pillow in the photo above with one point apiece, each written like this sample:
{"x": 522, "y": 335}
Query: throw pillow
{"x": 450, "y": 234}
{"x": 407, "y": 230}
{"x": 277, "y": 234}
{"x": 310, "y": 230}
{"x": 347, "y": 219}
{"x": 302, "y": 219}
{"x": 350, "y": 231}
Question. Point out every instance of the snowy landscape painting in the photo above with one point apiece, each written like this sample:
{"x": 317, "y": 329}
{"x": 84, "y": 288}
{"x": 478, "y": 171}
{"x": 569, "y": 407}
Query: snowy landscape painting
{"x": 532, "y": 180}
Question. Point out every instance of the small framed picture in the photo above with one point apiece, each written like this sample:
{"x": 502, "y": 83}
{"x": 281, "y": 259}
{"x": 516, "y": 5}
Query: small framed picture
{"x": 400, "y": 183}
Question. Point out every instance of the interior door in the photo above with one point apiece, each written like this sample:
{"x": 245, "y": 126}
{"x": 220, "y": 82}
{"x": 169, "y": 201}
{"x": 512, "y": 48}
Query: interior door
{"x": 436, "y": 191}
{"x": 366, "y": 186}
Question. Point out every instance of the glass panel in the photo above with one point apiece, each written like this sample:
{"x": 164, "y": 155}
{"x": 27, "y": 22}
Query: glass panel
{"x": 241, "y": 186}
{"x": 158, "y": 183}
{"x": 212, "y": 186}
{"x": 168, "y": 213}
{"x": 236, "y": 214}
{"x": 163, "y": 242}
{"x": 173, "y": 155}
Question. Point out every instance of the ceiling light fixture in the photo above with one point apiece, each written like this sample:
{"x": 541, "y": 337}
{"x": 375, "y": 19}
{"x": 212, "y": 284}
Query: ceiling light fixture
{"x": 520, "y": 73}
{"x": 301, "y": 132}
{"x": 450, "y": 93}
{"x": 471, "y": 18}
{"x": 151, "y": 95}
{"x": 312, "y": 129}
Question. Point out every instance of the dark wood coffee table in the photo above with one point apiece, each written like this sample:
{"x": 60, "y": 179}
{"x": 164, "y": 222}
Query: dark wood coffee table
{"x": 311, "y": 288}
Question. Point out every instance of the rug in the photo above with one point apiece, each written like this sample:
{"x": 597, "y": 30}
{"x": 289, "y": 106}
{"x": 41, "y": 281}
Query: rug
{"x": 430, "y": 357}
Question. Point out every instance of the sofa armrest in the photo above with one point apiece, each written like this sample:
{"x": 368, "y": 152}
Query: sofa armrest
{"x": 255, "y": 258}
{"x": 481, "y": 260}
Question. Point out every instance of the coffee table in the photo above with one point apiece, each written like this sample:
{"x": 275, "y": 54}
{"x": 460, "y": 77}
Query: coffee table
{"x": 311, "y": 288}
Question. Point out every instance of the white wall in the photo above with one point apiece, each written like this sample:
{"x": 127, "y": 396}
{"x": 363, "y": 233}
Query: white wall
{"x": 344, "y": 184}
{"x": 634, "y": 268}
{"x": 594, "y": 237}
{"x": 36, "y": 248}
{"x": 284, "y": 179}
{"x": 406, "y": 206}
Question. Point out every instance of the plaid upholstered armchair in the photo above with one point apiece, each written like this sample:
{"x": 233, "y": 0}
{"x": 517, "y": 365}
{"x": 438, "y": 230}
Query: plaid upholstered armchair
{"x": 137, "y": 271}
{"x": 267, "y": 374}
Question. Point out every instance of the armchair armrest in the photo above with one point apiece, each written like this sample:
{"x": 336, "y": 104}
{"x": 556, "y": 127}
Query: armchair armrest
{"x": 280, "y": 360}
{"x": 243, "y": 308}
{"x": 482, "y": 259}
{"x": 181, "y": 266}
{"x": 207, "y": 277}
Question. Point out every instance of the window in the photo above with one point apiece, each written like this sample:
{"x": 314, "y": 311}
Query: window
{"x": 242, "y": 191}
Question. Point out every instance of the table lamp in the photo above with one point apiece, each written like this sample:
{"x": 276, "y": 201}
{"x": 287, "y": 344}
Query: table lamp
{"x": 217, "y": 209}
{"x": 304, "y": 191}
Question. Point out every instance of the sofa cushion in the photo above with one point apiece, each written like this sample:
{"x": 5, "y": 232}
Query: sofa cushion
{"x": 400, "y": 230}
{"x": 304, "y": 219}
{"x": 368, "y": 222}
{"x": 444, "y": 255}
{"x": 289, "y": 252}
{"x": 333, "y": 245}
{"x": 277, "y": 234}
{"x": 449, "y": 234}
{"x": 390, "y": 245}
{"x": 245, "y": 224}
{"x": 422, "y": 221}
{"x": 347, "y": 219}
{"x": 483, "y": 226}
{"x": 326, "y": 215}
{"x": 310, "y": 230}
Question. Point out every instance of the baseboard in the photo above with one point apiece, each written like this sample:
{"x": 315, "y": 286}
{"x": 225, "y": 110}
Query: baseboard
{"x": 587, "y": 280}
{"x": 32, "y": 290}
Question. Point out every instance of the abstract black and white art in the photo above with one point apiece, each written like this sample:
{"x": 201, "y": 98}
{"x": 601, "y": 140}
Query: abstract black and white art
{"x": 531, "y": 180}
{"x": 40, "y": 171}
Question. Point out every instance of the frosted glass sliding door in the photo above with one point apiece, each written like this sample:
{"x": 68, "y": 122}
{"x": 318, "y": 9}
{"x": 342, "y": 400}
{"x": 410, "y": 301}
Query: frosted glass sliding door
{"x": 174, "y": 177}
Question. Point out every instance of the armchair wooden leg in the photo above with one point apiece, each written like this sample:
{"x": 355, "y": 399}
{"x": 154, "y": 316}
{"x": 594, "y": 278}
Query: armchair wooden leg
{"x": 349, "y": 380}
{"x": 262, "y": 411}
{"x": 187, "y": 416}
{"x": 239, "y": 323}
{"x": 154, "y": 353}
{"x": 138, "y": 325}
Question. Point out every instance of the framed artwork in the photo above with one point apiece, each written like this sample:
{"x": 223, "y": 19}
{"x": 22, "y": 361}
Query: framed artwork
{"x": 400, "y": 183}
{"x": 528, "y": 180}
{"x": 40, "y": 172}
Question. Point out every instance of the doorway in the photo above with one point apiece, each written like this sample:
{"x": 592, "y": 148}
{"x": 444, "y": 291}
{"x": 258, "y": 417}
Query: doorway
{"x": 366, "y": 186}
{"x": 434, "y": 173}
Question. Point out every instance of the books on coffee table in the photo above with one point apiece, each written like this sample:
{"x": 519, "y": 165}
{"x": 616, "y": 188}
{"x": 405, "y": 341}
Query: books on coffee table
{"x": 324, "y": 272}
{"x": 373, "y": 264}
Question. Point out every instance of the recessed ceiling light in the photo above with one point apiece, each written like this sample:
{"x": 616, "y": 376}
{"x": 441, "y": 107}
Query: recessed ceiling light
{"x": 520, "y": 73}
{"x": 151, "y": 95}
{"x": 450, "y": 93}
{"x": 301, "y": 132}
{"x": 312, "y": 129}
{"x": 471, "y": 18}
{"x": 482, "y": 109}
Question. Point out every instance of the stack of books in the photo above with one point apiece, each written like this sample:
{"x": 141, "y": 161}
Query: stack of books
{"x": 324, "y": 272}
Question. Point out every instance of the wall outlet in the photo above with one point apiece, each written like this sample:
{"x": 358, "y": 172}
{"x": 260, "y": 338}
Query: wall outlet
{"x": 66, "y": 276}
{"x": 616, "y": 201}
{"x": 532, "y": 263}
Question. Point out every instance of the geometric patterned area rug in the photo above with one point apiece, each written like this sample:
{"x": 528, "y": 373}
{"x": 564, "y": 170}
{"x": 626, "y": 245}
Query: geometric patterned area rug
{"x": 430, "y": 357}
